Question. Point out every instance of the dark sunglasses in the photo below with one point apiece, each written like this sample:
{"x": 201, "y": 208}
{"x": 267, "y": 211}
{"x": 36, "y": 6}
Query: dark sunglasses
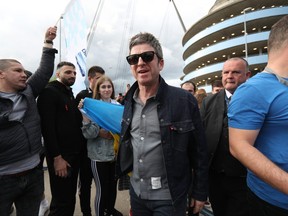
{"x": 145, "y": 56}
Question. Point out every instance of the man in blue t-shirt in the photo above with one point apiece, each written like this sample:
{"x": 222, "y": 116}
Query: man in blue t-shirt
{"x": 258, "y": 120}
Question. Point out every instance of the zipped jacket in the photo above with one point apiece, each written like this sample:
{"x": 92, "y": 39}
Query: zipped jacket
{"x": 61, "y": 121}
{"x": 21, "y": 140}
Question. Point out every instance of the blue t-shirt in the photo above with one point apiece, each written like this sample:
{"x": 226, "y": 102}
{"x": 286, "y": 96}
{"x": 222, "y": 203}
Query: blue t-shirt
{"x": 262, "y": 104}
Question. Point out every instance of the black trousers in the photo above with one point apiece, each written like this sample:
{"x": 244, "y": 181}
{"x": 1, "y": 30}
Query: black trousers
{"x": 84, "y": 185}
{"x": 106, "y": 187}
{"x": 228, "y": 194}
{"x": 258, "y": 206}
{"x": 63, "y": 190}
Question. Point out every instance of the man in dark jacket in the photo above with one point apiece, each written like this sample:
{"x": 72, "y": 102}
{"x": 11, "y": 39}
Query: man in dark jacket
{"x": 227, "y": 176}
{"x": 162, "y": 139}
{"x": 85, "y": 173}
{"x": 21, "y": 181}
{"x": 61, "y": 123}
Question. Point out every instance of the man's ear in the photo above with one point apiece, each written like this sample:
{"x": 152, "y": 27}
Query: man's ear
{"x": 161, "y": 64}
{"x": 57, "y": 74}
{"x": 1, "y": 74}
{"x": 248, "y": 74}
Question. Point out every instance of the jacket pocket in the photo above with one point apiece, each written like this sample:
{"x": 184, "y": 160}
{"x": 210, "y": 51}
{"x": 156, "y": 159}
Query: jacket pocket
{"x": 180, "y": 134}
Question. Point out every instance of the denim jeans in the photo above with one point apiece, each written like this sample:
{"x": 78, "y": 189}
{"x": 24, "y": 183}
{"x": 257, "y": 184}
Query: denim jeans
{"x": 24, "y": 191}
{"x": 142, "y": 207}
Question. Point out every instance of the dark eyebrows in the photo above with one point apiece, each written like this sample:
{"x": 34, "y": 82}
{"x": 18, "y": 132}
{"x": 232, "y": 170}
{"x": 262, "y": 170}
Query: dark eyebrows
{"x": 70, "y": 72}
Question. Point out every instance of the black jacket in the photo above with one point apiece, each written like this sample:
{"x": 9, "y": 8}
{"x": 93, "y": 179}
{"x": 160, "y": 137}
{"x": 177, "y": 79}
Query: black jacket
{"x": 61, "y": 121}
{"x": 213, "y": 113}
{"x": 182, "y": 138}
{"x": 83, "y": 94}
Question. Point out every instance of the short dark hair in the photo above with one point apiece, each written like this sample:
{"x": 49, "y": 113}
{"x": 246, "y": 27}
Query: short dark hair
{"x": 217, "y": 83}
{"x": 146, "y": 38}
{"x": 194, "y": 86}
{"x": 95, "y": 69}
{"x": 65, "y": 63}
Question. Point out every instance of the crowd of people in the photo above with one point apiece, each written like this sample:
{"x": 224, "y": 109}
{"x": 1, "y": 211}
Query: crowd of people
{"x": 178, "y": 148}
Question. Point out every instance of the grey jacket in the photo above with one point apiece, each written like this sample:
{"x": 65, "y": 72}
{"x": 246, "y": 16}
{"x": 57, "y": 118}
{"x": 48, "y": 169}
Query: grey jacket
{"x": 21, "y": 140}
{"x": 98, "y": 148}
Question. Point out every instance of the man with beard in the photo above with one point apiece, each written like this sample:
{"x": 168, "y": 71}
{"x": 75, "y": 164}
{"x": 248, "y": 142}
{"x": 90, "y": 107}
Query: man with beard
{"x": 61, "y": 123}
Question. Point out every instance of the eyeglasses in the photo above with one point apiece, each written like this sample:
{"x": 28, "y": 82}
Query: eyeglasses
{"x": 145, "y": 56}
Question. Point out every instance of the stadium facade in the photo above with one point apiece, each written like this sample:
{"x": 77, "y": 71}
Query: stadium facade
{"x": 232, "y": 28}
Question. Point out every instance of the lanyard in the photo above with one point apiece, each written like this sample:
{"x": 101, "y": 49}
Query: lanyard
{"x": 281, "y": 79}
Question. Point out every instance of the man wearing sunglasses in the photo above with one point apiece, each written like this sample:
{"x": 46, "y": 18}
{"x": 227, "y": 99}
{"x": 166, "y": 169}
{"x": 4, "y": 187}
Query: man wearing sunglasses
{"x": 162, "y": 139}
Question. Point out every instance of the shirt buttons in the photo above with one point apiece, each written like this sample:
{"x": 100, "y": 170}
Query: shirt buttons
{"x": 143, "y": 116}
{"x": 142, "y": 138}
{"x": 140, "y": 160}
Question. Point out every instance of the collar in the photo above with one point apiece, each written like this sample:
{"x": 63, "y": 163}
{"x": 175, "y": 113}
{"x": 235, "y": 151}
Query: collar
{"x": 228, "y": 94}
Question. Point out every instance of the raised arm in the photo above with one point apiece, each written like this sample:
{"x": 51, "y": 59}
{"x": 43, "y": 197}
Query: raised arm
{"x": 46, "y": 67}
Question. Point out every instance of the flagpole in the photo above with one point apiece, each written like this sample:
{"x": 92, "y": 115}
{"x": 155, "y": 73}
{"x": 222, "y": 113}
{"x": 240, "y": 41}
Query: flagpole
{"x": 60, "y": 36}
{"x": 60, "y": 39}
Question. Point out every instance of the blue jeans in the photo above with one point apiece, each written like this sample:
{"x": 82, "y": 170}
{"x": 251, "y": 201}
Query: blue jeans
{"x": 24, "y": 191}
{"x": 142, "y": 207}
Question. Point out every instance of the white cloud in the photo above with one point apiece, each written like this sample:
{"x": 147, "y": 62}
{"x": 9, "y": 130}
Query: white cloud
{"x": 23, "y": 24}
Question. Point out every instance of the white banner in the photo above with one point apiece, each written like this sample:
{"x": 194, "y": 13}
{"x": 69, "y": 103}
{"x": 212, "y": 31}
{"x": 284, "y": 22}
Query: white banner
{"x": 75, "y": 30}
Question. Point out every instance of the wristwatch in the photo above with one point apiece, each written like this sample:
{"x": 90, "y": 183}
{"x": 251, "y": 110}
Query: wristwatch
{"x": 48, "y": 41}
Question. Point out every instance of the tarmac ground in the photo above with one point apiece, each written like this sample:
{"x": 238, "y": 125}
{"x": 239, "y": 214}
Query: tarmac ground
{"x": 122, "y": 201}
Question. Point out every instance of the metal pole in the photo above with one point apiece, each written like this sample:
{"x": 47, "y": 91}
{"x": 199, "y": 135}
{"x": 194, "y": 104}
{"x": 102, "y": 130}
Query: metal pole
{"x": 178, "y": 14}
{"x": 245, "y": 33}
{"x": 60, "y": 38}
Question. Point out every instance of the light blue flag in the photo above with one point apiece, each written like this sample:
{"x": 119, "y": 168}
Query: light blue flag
{"x": 106, "y": 115}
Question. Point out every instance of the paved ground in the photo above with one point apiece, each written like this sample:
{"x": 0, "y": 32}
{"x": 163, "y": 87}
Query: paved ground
{"x": 122, "y": 201}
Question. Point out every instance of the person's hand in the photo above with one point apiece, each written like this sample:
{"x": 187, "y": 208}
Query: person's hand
{"x": 80, "y": 105}
{"x": 196, "y": 205}
{"x": 50, "y": 34}
{"x": 61, "y": 166}
{"x": 105, "y": 134}
{"x": 85, "y": 118}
